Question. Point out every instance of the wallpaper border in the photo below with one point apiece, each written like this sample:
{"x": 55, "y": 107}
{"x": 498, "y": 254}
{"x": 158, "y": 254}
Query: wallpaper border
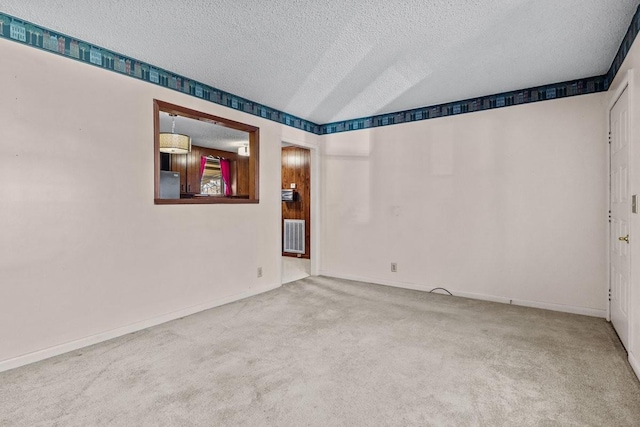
{"x": 29, "y": 34}
{"x": 483, "y": 103}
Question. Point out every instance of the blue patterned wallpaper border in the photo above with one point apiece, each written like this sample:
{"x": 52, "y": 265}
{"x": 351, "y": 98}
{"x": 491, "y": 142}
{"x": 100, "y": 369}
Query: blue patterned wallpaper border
{"x": 507, "y": 99}
{"x": 29, "y": 34}
{"x": 625, "y": 46}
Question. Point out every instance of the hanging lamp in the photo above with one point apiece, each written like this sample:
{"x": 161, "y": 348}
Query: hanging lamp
{"x": 174, "y": 143}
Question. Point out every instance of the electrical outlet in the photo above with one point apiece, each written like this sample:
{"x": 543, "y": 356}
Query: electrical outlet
{"x": 394, "y": 267}
{"x": 259, "y": 271}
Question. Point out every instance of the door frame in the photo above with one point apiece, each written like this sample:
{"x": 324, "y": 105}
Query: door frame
{"x": 315, "y": 177}
{"x": 627, "y": 83}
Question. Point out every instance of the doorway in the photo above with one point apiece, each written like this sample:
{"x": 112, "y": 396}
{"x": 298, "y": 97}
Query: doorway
{"x": 619, "y": 216}
{"x": 296, "y": 212}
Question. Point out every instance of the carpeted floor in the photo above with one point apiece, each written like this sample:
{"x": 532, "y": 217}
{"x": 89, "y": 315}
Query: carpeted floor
{"x": 327, "y": 352}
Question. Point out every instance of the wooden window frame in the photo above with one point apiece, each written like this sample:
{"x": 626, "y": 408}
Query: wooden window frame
{"x": 254, "y": 152}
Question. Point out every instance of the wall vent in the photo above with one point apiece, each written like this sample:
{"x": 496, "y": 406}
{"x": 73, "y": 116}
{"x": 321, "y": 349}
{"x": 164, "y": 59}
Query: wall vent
{"x": 294, "y": 236}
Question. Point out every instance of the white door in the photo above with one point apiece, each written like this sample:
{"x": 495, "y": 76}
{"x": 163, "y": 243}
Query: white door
{"x": 620, "y": 205}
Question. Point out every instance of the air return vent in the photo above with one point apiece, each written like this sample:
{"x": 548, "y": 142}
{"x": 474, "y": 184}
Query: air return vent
{"x": 294, "y": 236}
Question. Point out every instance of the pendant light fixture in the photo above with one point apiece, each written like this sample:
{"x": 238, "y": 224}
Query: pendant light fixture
{"x": 174, "y": 143}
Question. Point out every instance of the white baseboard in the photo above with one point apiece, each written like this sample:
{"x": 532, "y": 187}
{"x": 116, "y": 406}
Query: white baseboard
{"x": 484, "y": 297}
{"x": 634, "y": 364}
{"x": 46, "y": 353}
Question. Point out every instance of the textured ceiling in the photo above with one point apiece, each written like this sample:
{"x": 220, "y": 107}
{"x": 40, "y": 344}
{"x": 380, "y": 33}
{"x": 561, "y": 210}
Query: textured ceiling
{"x": 204, "y": 134}
{"x": 343, "y": 59}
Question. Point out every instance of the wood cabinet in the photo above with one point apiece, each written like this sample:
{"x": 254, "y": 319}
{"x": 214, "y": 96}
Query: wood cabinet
{"x": 188, "y": 165}
{"x": 242, "y": 175}
{"x": 193, "y": 170}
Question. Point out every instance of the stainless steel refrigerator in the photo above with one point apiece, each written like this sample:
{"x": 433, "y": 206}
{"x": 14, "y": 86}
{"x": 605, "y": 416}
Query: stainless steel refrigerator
{"x": 169, "y": 185}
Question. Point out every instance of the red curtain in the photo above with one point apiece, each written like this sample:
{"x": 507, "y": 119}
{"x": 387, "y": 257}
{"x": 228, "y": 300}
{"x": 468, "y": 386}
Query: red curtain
{"x": 225, "y": 169}
{"x": 203, "y": 164}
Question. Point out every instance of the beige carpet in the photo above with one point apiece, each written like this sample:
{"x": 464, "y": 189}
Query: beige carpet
{"x": 325, "y": 352}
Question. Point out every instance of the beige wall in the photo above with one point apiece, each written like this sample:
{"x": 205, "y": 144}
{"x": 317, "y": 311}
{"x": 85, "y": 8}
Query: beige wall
{"x": 507, "y": 204}
{"x": 83, "y": 249}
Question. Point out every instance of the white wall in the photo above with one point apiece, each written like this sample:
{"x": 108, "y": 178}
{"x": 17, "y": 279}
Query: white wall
{"x": 507, "y": 204}
{"x": 83, "y": 249}
{"x": 632, "y": 62}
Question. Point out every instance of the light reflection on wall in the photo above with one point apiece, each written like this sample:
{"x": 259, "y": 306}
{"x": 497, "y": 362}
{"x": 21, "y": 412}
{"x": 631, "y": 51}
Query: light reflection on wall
{"x": 349, "y": 164}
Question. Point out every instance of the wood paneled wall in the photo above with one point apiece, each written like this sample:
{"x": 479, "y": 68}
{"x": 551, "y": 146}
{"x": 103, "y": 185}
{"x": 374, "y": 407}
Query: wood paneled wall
{"x": 189, "y": 168}
{"x": 242, "y": 176}
{"x": 296, "y": 169}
